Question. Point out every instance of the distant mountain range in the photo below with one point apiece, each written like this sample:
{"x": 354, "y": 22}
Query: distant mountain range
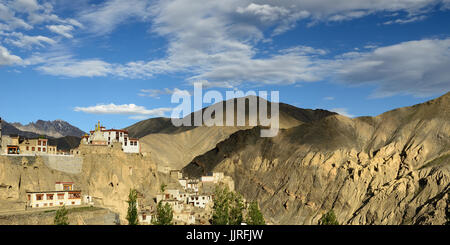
{"x": 55, "y": 129}
{"x": 60, "y": 133}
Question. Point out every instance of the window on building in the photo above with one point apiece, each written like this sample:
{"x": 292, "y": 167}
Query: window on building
{"x": 61, "y": 196}
{"x": 29, "y": 197}
{"x": 74, "y": 195}
{"x": 51, "y": 204}
{"x": 39, "y": 148}
{"x": 73, "y": 203}
{"x": 43, "y": 149}
{"x": 39, "y": 197}
{"x": 49, "y": 196}
{"x": 28, "y": 148}
{"x": 44, "y": 143}
{"x": 33, "y": 149}
{"x": 61, "y": 203}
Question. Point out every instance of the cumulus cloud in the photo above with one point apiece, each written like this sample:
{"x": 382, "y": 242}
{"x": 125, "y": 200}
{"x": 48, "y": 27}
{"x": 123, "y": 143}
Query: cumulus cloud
{"x": 215, "y": 41}
{"x": 6, "y": 58}
{"x": 418, "y": 67}
{"x": 137, "y": 112}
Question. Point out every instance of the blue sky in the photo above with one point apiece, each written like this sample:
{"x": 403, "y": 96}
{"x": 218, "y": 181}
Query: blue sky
{"x": 119, "y": 61}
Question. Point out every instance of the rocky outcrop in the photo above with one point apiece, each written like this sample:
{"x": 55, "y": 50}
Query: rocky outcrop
{"x": 389, "y": 169}
{"x": 107, "y": 175}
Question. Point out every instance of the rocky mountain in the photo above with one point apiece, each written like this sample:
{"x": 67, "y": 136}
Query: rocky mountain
{"x": 55, "y": 129}
{"x": 175, "y": 147}
{"x": 8, "y": 129}
{"x": 390, "y": 169}
{"x": 65, "y": 143}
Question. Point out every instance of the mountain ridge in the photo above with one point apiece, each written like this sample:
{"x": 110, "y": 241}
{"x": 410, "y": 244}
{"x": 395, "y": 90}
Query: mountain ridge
{"x": 370, "y": 170}
{"x": 56, "y": 128}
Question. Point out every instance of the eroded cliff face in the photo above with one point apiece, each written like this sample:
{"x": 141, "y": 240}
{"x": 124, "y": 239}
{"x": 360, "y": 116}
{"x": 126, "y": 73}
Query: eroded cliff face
{"x": 390, "y": 169}
{"x": 107, "y": 174}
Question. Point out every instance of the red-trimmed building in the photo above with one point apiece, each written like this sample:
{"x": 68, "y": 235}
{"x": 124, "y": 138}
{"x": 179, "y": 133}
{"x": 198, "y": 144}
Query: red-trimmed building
{"x": 64, "y": 194}
{"x": 105, "y": 137}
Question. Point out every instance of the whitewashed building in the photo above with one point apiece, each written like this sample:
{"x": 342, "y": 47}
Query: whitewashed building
{"x": 145, "y": 218}
{"x": 64, "y": 194}
{"x": 106, "y": 137}
{"x": 200, "y": 201}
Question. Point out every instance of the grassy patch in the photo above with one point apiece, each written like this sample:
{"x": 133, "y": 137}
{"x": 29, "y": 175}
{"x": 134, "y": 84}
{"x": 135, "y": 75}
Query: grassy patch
{"x": 440, "y": 161}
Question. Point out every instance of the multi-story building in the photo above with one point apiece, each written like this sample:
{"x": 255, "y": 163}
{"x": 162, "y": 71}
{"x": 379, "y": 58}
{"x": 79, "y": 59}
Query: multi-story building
{"x": 200, "y": 201}
{"x": 64, "y": 194}
{"x": 105, "y": 137}
{"x": 16, "y": 145}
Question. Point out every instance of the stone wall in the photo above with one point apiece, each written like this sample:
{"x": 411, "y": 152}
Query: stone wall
{"x": 77, "y": 216}
{"x": 67, "y": 164}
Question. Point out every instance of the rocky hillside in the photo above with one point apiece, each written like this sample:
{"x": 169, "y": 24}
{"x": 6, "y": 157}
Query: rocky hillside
{"x": 9, "y": 129}
{"x": 175, "y": 147}
{"x": 106, "y": 174}
{"x": 55, "y": 129}
{"x": 389, "y": 169}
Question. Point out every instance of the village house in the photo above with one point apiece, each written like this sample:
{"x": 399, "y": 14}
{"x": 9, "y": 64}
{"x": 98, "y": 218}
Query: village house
{"x": 185, "y": 217}
{"x": 199, "y": 201}
{"x": 14, "y": 144}
{"x": 106, "y": 137}
{"x": 145, "y": 217}
{"x": 64, "y": 194}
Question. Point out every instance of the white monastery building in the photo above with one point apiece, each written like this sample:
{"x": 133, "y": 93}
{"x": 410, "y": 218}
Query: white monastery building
{"x": 64, "y": 194}
{"x": 106, "y": 137}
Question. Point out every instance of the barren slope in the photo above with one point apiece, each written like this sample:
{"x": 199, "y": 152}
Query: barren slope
{"x": 389, "y": 169}
{"x": 175, "y": 147}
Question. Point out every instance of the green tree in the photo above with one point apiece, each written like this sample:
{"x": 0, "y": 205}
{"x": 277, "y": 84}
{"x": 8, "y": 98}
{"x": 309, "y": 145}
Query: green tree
{"x": 132, "y": 216}
{"x": 228, "y": 207}
{"x": 61, "y": 216}
{"x": 254, "y": 215}
{"x": 163, "y": 187}
{"x": 236, "y": 209}
{"x": 220, "y": 207}
{"x": 164, "y": 214}
{"x": 329, "y": 219}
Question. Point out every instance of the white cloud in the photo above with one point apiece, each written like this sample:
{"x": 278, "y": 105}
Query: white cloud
{"x": 65, "y": 66}
{"x": 7, "y": 58}
{"x": 215, "y": 41}
{"x": 419, "y": 67}
{"x": 328, "y": 98}
{"x": 137, "y": 112}
{"x": 342, "y": 111}
{"x": 105, "y": 17}
{"x": 24, "y": 41}
{"x": 63, "y": 30}
{"x": 265, "y": 12}
{"x": 406, "y": 20}
{"x": 155, "y": 93}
